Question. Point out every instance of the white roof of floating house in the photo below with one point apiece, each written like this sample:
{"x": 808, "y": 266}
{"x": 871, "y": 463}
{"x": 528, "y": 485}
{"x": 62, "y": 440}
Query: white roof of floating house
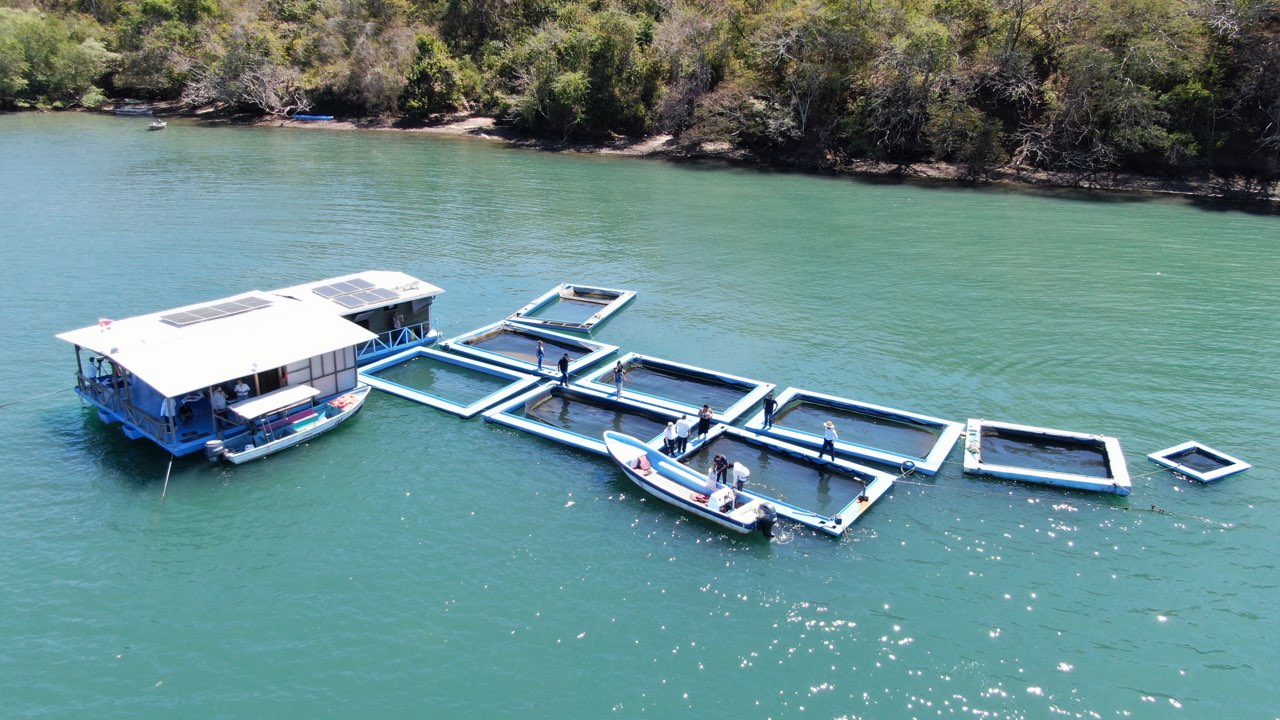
{"x": 196, "y": 346}
{"x": 366, "y": 289}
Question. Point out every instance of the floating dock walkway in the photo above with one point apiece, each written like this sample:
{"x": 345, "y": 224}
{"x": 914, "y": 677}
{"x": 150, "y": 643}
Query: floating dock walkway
{"x": 1199, "y": 462}
{"x": 680, "y": 387}
{"x": 828, "y": 496}
{"x": 575, "y": 308}
{"x": 870, "y": 432}
{"x": 1047, "y": 457}
{"x": 516, "y": 346}
{"x": 455, "y": 375}
{"x": 579, "y": 416}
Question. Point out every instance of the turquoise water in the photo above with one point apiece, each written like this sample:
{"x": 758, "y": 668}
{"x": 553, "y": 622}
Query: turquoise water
{"x": 410, "y": 564}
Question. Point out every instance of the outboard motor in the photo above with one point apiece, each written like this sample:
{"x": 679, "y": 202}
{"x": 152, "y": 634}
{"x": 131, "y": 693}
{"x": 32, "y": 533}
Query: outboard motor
{"x": 766, "y": 516}
{"x": 213, "y": 450}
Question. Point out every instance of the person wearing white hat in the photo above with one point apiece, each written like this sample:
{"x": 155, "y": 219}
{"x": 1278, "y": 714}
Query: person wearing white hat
{"x": 828, "y": 440}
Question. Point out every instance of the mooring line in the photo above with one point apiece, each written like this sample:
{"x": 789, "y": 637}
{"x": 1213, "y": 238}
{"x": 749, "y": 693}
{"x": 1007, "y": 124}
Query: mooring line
{"x": 37, "y": 397}
{"x": 1154, "y": 509}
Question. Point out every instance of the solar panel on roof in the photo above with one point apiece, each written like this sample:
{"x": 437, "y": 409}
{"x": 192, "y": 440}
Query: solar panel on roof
{"x": 207, "y": 312}
{"x": 384, "y": 294}
{"x": 366, "y": 297}
{"x": 212, "y": 312}
{"x": 180, "y": 319}
{"x": 327, "y": 291}
{"x": 344, "y": 287}
{"x": 348, "y": 301}
{"x": 361, "y": 283}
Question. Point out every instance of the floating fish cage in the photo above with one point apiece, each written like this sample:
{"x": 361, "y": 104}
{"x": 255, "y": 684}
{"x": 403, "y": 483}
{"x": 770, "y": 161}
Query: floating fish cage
{"x": 825, "y": 495}
{"x": 578, "y": 417}
{"x": 1048, "y": 457}
{"x": 445, "y": 381}
{"x": 1199, "y": 462}
{"x": 516, "y": 346}
{"x": 866, "y": 432}
{"x": 682, "y": 388}
{"x": 576, "y": 308}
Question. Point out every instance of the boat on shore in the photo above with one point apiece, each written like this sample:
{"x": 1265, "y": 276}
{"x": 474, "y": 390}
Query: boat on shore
{"x": 283, "y": 418}
{"x": 130, "y": 110}
{"x": 673, "y": 483}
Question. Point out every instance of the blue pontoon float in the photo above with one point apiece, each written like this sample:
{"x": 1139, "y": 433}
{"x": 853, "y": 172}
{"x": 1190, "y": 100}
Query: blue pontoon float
{"x": 579, "y": 417}
{"x": 576, "y": 308}
{"x": 791, "y": 477}
{"x": 515, "y": 346}
{"x": 1199, "y": 462}
{"x": 1047, "y": 457}
{"x": 491, "y": 383}
{"x": 866, "y": 431}
{"x": 680, "y": 387}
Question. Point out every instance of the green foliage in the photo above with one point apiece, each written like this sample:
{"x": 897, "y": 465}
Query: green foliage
{"x": 588, "y": 79}
{"x": 1066, "y": 85}
{"x": 48, "y": 60}
{"x": 434, "y": 83}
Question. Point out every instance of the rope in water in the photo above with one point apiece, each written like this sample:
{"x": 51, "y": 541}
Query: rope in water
{"x": 1155, "y": 509}
{"x": 37, "y": 397}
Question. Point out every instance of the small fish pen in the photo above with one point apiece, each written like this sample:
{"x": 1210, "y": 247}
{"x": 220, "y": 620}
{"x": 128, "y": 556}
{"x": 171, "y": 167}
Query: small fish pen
{"x": 455, "y": 384}
{"x": 824, "y": 495}
{"x": 576, "y": 308}
{"x": 683, "y": 388}
{"x": 866, "y": 432}
{"x": 516, "y": 346}
{"x": 1199, "y": 462}
{"x": 1048, "y": 457}
{"x": 579, "y": 417}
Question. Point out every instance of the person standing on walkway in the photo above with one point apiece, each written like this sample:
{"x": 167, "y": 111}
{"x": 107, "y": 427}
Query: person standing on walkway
{"x": 564, "y": 369}
{"x": 242, "y": 390}
{"x": 669, "y": 439}
{"x": 829, "y": 437}
{"x": 769, "y": 406}
{"x": 542, "y": 353}
{"x": 704, "y": 421}
{"x": 619, "y": 377}
{"x": 682, "y": 433}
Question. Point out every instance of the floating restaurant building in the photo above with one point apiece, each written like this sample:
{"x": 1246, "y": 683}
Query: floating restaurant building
{"x": 171, "y": 376}
{"x": 395, "y": 307}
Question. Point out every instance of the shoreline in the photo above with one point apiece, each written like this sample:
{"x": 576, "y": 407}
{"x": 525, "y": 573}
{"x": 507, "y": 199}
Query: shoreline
{"x": 665, "y": 147}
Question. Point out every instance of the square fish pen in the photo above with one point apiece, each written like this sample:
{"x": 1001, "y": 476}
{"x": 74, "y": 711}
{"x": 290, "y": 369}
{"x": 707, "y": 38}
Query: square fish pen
{"x": 1199, "y": 462}
{"x": 516, "y": 346}
{"x": 576, "y": 308}
{"x": 578, "y": 417}
{"x": 680, "y": 387}
{"x": 825, "y": 495}
{"x": 445, "y": 381}
{"x": 868, "y": 432}
{"x": 1047, "y": 457}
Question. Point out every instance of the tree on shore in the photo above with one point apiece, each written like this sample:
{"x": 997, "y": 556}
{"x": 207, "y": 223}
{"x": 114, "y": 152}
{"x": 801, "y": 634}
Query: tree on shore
{"x": 46, "y": 60}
